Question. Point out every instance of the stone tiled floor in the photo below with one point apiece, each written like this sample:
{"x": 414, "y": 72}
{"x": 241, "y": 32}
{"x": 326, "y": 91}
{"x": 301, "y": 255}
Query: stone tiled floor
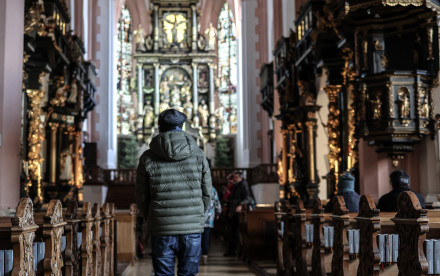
{"x": 217, "y": 264}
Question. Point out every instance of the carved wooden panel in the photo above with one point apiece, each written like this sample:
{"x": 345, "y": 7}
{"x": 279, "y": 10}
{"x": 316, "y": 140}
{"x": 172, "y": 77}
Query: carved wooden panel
{"x": 87, "y": 240}
{"x": 71, "y": 262}
{"x": 22, "y": 238}
{"x": 112, "y": 239}
{"x": 97, "y": 255}
{"x": 340, "y": 243}
{"x": 299, "y": 238}
{"x": 411, "y": 224}
{"x": 53, "y": 229}
{"x": 369, "y": 226}
{"x": 105, "y": 239}
{"x": 318, "y": 265}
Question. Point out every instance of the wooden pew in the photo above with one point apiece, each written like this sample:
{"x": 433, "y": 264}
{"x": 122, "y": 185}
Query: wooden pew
{"x": 51, "y": 230}
{"x": 319, "y": 256}
{"x": 300, "y": 249}
{"x": 112, "y": 243}
{"x": 87, "y": 222}
{"x": 284, "y": 220}
{"x": 18, "y": 233}
{"x": 278, "y": 212}
{"x": 126, "y": 234}
{"x": 105, "y": 239}
{"x": 411, "y": 224}
{"x": 97, "y": 256}
{"x": 71, "y": 262}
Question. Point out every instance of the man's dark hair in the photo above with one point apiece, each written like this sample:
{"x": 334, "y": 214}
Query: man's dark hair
{"x": 239, "y": 173}
{"x": 171, "y": 119}
{"x": 399, "y": 178}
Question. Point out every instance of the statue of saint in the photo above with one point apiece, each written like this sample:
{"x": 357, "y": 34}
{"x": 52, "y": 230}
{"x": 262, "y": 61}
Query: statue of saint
{"x": 376, "y": 105}
{"x": 60, "y": 95}
{"x": 66, "y": 166}
{"x": 204, "y": 113}
{"x": 211, "y": 35}
{"x": 424, "y": 109}
{"x": 139, "y": 38}
{"x": 188, "y": 108}
{"x": 403, "y": 102}
{"x": 73, "y": 92}
{"x": 175, "y": 96}
{"x": 149, "y": 115}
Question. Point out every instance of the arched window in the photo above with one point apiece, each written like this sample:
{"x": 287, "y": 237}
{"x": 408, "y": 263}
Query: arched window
{"x": 227, "y": 70}
{"x": 126, "y": 115}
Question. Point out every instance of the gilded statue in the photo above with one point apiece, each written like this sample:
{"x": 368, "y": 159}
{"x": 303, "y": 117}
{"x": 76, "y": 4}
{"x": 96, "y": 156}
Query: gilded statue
{"x": 211, "y": 35}
{"x": 403, "y": 102}
{"x": 175, "y": 96}
{"x": 139, "y": 38}
{"x": 188, "y": 108}
{"x": 376, "y": 105}
{"x": 60, "y": 95}
{"x": 219, "y": 113}
{"x": 174, "y": 25}
{"x": 204, "y": 113}
{"x": 424, "y": 105}
{"x": 149, "y": 115}
{"x": 164, "y": 104}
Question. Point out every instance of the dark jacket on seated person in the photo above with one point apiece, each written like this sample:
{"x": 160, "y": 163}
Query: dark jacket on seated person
{"x": 346, "y": 189}
{"x": 400, "y": 181}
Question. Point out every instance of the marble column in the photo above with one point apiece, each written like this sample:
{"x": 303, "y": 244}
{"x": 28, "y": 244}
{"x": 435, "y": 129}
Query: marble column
{"x": 156, "y": 28}
{"x": 211, "y": 89}
{"x": 11, "y": 95}
{"x": 195, "y": 91}
{"x": 156, "y": 89}
{"x": 194, "y": 28}
{"x": 140, "y": 92}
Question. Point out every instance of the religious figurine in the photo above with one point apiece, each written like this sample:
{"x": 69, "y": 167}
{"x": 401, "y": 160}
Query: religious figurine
{"x": 73, "y": 92}
{"x": 60, "y": 95}
{"x": 164, "y": 104}
{"x": 175, "y": 97}
{"x": 201, "y": 42}
{"x": 376, "y": 105}
{"x": 204, "y": 113}
{"x": 211, "y": 35}
{"x": 149, "y": 115}
{"x": 403, "y": 102}
{"x": 139, "y": 38}
{"x": 174, "y": 28}
{"x": 188, "y": 108}
{"x": 219, "y": 113}
{"x": 66, "y": 168}
{"x": 424, "y": 108}
{"x": 149, "y": 42}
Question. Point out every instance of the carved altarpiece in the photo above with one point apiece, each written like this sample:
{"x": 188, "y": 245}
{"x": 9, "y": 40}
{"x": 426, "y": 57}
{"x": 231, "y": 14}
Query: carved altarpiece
{"x": 175, "y": 69}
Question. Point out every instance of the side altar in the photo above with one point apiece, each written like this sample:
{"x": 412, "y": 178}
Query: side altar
{"x": 175, "y": 68}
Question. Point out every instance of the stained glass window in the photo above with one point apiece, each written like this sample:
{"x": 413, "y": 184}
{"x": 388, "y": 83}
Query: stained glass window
{"x": 126, "y": 114}
{"x": 227, "y": 71}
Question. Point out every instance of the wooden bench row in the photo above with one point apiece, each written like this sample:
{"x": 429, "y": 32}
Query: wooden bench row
{"x": 298, "y": 256}
{"x": 87, "y": 236}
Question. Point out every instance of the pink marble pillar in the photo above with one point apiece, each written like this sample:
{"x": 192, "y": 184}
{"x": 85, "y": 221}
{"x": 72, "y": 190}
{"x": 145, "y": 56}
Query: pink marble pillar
{"x": 11, "y": 63}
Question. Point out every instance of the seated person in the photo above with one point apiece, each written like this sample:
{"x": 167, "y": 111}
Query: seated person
{"x": 346, "y": 189}
{"x": 400, "y": 181}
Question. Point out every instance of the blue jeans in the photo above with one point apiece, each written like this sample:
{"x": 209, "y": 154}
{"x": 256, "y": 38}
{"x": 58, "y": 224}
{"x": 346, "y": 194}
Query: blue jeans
{"x": 187, "y": 249}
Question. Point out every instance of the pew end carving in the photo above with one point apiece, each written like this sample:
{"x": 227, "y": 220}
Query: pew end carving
{"x": 71, "y": 263}
{"x": 369, "y": 226}
{"x": 411, "y": 224}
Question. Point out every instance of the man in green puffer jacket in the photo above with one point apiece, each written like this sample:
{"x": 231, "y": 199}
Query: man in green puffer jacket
{"x": 173, "y": 190}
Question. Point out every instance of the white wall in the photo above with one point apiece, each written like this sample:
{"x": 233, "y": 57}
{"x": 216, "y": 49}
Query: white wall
{"x": 106, "y": 108}
{"x": 288, "y": 16}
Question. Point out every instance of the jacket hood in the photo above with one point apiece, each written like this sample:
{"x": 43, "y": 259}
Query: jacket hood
{"x": 173, "y": 145}
{"x": 346, "y": 183}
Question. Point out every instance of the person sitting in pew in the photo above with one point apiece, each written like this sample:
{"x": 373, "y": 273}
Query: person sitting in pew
{"x": 400, "y": 181}
{"x": 346, "y": 189}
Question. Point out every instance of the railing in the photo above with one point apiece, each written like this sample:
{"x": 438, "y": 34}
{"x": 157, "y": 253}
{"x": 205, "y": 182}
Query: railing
{"x": 120, "y": 176}
{"x": 264, "y": 173}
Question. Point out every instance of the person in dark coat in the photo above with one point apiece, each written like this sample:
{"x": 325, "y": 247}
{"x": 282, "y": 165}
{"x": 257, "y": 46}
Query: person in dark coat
{"x": 173, "y": 192}
{"x": 240, "y": 195}
{"x": 346, "y": 189}
{"x": 400, "y": 181}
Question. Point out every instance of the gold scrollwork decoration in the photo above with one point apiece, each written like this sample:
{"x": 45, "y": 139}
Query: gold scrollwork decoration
{"x": 403, "y": 2}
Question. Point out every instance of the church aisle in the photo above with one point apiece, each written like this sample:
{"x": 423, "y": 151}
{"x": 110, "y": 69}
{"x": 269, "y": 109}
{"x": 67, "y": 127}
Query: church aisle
{"x": 217, "y": 264}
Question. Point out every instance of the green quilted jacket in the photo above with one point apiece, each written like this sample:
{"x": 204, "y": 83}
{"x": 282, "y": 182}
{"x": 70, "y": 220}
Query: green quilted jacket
{"x": 173, "y": 185}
